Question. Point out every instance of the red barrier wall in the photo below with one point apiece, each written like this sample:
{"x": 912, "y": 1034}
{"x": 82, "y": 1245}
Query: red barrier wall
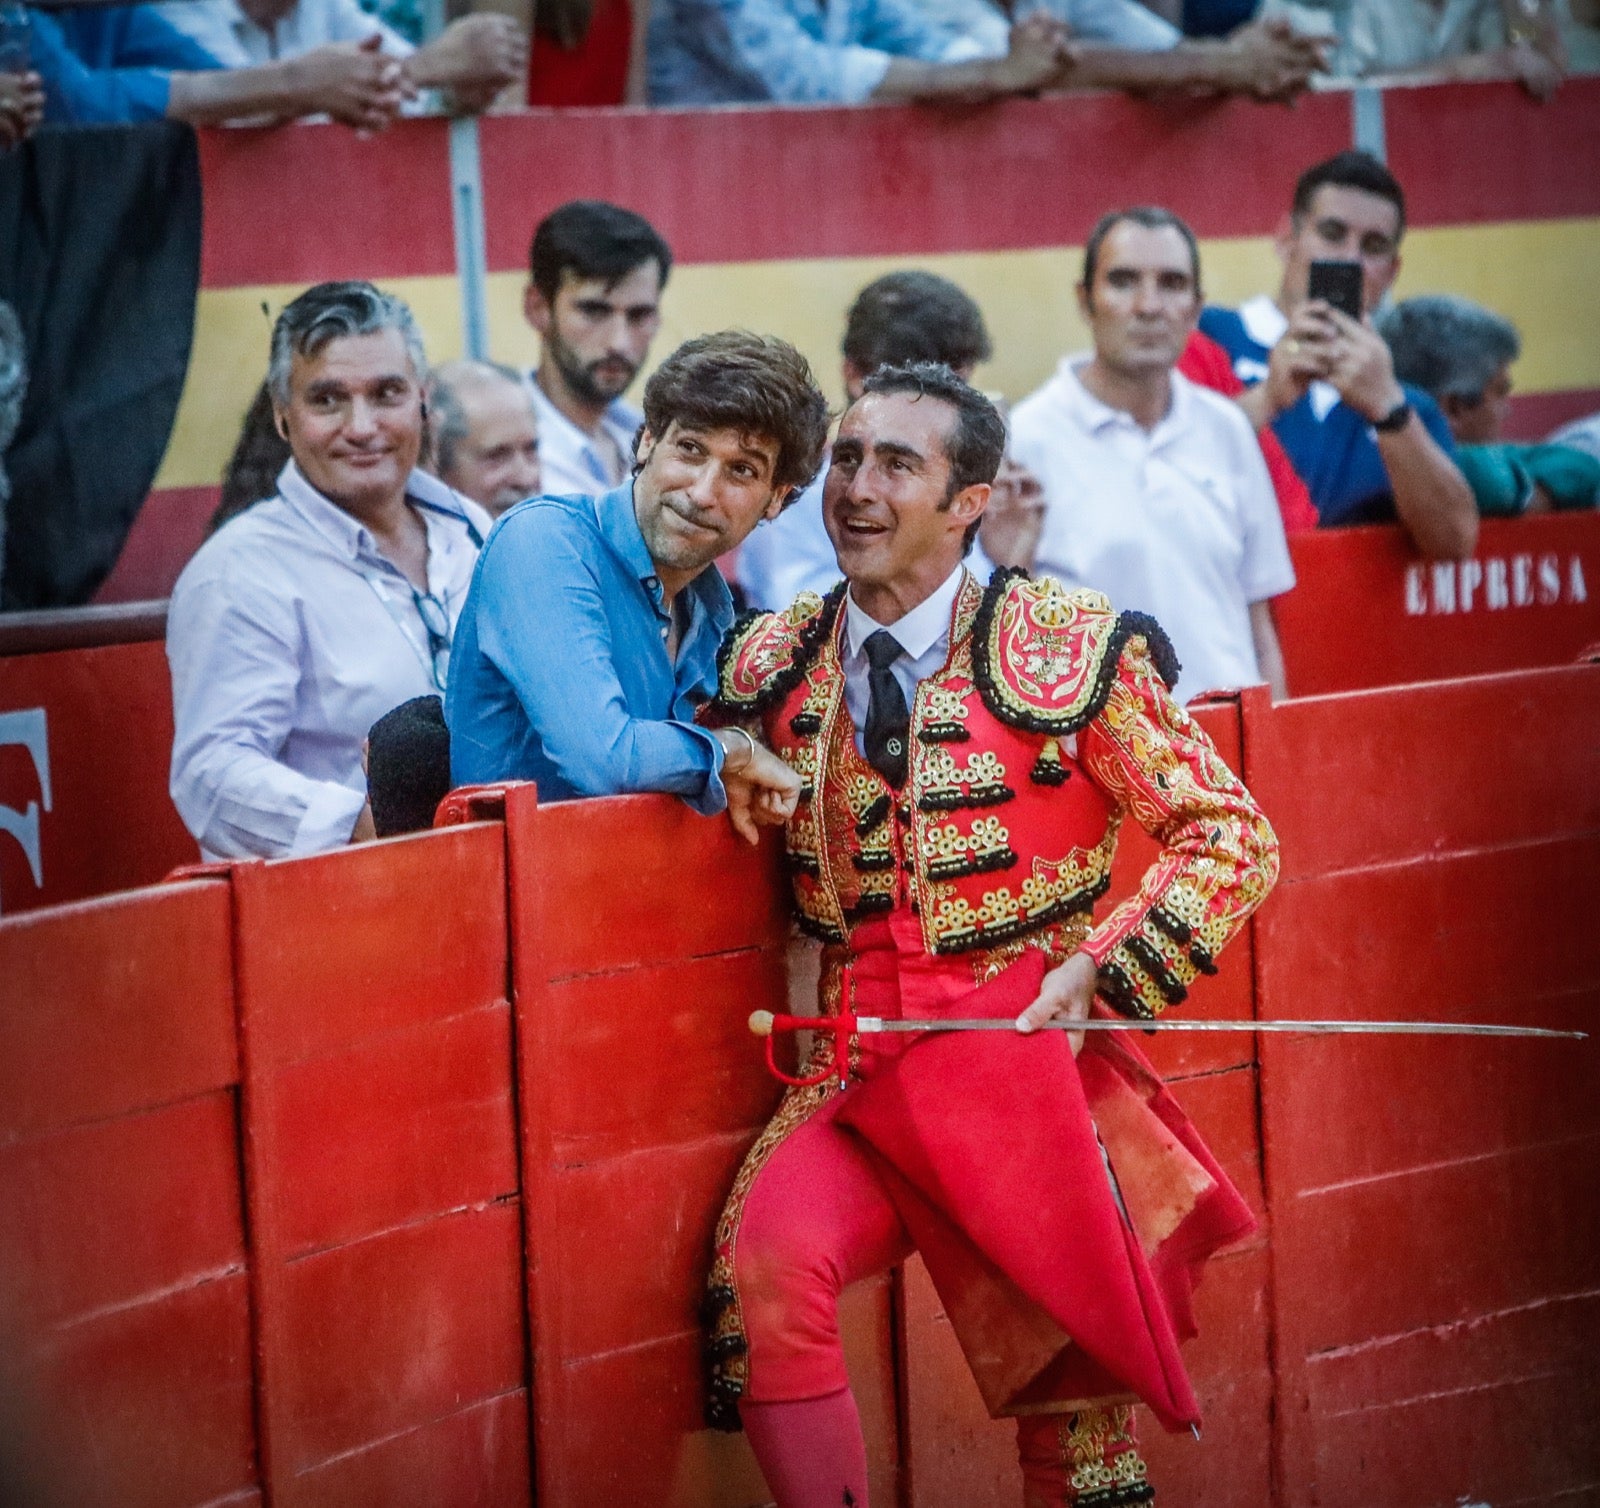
{"x": 85, "y": 741}
{"x": 309, "y": 1212}
{"x": 1435, "y": 1233}
{"x": 124, "y": 1304}
{"x": 1365, "y": 611}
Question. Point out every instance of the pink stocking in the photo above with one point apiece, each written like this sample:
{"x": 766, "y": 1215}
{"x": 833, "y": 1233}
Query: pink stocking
{"x": 810, "y": 1452}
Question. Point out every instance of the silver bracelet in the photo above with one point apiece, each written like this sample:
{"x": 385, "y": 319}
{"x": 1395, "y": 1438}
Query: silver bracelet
{"x": 735, "y": 728}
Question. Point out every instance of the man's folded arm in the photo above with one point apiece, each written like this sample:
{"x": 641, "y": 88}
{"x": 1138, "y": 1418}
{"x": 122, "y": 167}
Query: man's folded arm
{"x": 1219, "y": 854}
{"x": 555, "y": 650}
{"x": 234, "y": 675}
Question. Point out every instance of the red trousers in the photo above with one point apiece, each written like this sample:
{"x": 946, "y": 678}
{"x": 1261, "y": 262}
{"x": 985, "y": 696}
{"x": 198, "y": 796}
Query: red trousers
{"x": 817, "y": 1219}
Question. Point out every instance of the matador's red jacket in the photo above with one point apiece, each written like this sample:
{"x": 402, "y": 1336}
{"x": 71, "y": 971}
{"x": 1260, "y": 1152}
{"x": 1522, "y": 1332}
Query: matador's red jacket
{"x": 1050, "y": 720}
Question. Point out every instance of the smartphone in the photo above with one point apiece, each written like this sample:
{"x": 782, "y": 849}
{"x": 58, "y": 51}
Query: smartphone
{"x": 1339, "y": 284}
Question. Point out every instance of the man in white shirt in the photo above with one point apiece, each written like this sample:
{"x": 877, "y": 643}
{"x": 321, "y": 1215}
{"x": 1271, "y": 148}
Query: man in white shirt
{"x": 1155, "y": 490}
{"x": 300, "y": 623}
{"x": 485, "y": 433}
{"x": 594, "y": 297}
{"x": 472, "y": 59}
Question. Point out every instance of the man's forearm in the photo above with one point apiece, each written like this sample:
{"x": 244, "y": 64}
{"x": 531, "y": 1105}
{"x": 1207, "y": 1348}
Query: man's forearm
{"x": 1431, "y": 497}
{"x": 217, "y": 96}
{"x": 1257, "y": 406}
{"x": 968, "y": 82}
{"x": 1269, "y": 652}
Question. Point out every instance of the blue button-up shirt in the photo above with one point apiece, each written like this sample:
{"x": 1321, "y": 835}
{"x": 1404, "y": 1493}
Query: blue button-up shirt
{"x": 559, "y": 672}
{"x": 110, "y": 64}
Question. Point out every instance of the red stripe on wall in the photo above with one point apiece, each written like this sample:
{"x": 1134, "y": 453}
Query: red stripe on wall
{"x": 760, "y": 184}
{"x": 166, "y": 532}
{"x": 1473, "y": 153}
{"x": 1534, "y": 415}
{"x": 298, "y": 204}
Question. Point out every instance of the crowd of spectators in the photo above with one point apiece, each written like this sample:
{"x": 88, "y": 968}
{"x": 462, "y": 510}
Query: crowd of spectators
{"x": 211, "y": 61}
{"x": 1165, "y": 467}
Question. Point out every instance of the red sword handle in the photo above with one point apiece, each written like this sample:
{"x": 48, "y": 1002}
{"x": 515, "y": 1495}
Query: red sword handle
{"x": 769, "y": 1023}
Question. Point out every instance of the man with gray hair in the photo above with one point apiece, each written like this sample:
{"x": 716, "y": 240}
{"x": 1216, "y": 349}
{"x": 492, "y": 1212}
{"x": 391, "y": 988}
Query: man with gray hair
{"x": 1460, "y": 355}
{"x": 305, "y": 620}
{"x": 485, "y": 433}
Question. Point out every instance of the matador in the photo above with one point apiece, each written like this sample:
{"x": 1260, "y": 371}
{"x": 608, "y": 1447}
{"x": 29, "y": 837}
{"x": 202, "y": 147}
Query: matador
{"x": 967, "y": 754}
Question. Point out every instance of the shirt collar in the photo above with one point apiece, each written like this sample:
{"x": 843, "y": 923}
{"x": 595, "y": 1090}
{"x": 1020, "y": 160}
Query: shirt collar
{"x": 917, "y": 631}
{"x": 348, "y": 533}
{"x": 620, "y": 416}
{"x": 1095, "y": 415}
{"x": 1264, "y": 322}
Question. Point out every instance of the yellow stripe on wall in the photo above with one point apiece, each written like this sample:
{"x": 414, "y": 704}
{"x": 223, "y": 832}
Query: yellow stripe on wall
{"x": 1540, "y": 274}
{"x": 1543, "y": 275}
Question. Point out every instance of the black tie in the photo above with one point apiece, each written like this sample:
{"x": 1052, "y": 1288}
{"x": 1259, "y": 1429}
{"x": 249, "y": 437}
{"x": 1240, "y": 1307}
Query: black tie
{"x": 888, "y": 719}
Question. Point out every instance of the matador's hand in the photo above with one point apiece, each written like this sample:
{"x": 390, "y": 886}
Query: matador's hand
{"x": 1065, "y": 995}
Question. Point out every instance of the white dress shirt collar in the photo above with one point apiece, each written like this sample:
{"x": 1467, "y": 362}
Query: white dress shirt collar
{"x": 1264, "y": 322}
{"x": 917, "y": 631}
{"x": 352, "y": 537}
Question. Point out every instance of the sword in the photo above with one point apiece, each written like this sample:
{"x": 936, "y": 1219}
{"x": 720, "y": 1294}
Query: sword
{"x": 841, "y": 1027}
{"x": 764, "y": 1023}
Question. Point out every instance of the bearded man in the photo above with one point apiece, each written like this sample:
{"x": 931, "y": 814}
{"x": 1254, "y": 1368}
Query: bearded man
{"x": 594, "y": 297}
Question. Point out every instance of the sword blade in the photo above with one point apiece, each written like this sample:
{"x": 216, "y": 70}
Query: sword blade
{"x": 1164, "y": 1024}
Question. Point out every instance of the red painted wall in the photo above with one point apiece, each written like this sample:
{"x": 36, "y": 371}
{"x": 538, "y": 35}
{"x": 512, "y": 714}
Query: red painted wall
{"x": 389, "y": 1175}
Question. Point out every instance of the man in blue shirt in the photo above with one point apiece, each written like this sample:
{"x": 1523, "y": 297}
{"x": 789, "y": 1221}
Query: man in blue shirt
{"x": 590, "y": 633}
{"x": 1368, "y": 448}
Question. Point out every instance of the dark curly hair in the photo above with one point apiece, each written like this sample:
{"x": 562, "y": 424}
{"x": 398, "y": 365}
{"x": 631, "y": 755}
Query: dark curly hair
{"x": 756, "y": 384}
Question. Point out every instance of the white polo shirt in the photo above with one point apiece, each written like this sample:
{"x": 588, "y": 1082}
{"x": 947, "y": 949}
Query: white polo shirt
{"x": 1179, "y": 522}
{"x": 235, "y": 41}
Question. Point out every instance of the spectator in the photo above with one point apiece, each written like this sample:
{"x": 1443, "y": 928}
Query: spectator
{"x": 1155, "y": 490}
{"x": 296, "y": 627}
{"x": 961, "y": 51}
{"x": 1369, "y": 449}
{"x": 471, "y": 60}
{"x": 485, "y": 433}
{"x": 259, "y": 454}
{"x": 113, "y": 64}
{"x": 1433, "y": 40}
{"x": 1460, "y": 354}
{"x": 594, "y": 296}
{"x": 591, "y": 633}
{"x": 900, "y": 318}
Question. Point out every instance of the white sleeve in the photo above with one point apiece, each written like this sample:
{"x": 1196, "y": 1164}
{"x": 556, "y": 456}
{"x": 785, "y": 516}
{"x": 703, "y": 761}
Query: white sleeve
{"x": 1265, "y": 569}
{"x": 235, "y": 658}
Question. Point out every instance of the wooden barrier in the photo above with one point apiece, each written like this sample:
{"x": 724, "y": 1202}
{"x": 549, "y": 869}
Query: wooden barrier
{"x": 309, "y": 1214}
{"x": 1436, "y": 1241}
{"x": 1366, "y": 611}
{"x": 85, "y": 743}
{"x": 124, "y": 1302}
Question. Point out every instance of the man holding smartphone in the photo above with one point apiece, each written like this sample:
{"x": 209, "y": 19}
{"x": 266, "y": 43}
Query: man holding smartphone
{"x": 1369, "y": 448}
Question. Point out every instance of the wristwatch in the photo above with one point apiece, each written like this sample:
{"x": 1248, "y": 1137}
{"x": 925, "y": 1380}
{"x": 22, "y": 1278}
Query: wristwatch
{"x": 1395, "y": 419}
